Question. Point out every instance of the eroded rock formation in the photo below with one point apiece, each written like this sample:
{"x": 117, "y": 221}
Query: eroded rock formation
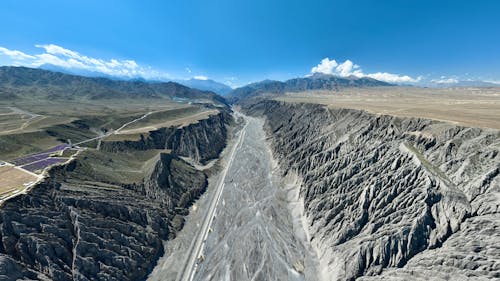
{"x": 70, "y": 227}
{"x": 389, "y": 197}
{"x": 201, "y": 141}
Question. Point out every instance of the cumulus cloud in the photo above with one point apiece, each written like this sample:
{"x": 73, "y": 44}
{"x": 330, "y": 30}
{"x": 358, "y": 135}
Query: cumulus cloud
{"x": 326, "y": 66}
{"x": 348, "y": 68}
{"x": 200, "y": 77}
{"x": 392, "y": 78}
{"x": 71, "y": 60}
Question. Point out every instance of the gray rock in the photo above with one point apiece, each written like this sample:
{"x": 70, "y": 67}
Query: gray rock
{"x": 388, "y": 197}
{"x": 201, "y": 141}
{"x": 70, "y": 228}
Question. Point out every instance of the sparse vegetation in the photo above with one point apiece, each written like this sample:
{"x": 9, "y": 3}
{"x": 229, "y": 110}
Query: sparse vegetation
{"x": 474, "y": 107}
{"x": 60, "y": 121}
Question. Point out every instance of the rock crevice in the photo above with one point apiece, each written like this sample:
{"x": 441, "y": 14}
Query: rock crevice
{"x": 73, "y": 227}
{"x": 201, "y": 141}
{"x": 384, "y": 194}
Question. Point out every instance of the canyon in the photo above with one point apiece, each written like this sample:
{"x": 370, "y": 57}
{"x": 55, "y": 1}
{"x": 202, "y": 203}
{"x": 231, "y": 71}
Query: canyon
{"x": 78, "y": 224}
{"x": 294, "y": 186}
{"x": 390, "y": 198}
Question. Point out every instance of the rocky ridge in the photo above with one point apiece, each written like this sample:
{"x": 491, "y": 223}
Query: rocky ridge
{"x": 71, "y": 228}
{"x": 392, "y": 198}
{"x": 201, "y": 141}
{"x": 20, "y": 83}
{"x": 317, "y": 81}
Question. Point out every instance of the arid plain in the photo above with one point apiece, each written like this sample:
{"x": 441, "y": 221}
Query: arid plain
{"x": 472, "y": 107}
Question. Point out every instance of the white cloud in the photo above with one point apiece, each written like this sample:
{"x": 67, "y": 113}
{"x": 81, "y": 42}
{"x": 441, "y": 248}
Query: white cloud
{"x": 326, "y": 66}
{"x": 200, "y": 77}
{"x": 14, "y": 54}
{"x": 444, "y": 80}
{"x": 72, "y": 60}
{"x": 57, "y": 50}
{"x": 348, "y": 68}
{"x": 392, "y": 78}
{"x": 54, "y": 60}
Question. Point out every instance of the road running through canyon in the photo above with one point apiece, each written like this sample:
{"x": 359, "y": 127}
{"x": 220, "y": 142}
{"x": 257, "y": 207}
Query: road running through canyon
{"x": 256, "y": 232}
{"x": 254, "y": 235}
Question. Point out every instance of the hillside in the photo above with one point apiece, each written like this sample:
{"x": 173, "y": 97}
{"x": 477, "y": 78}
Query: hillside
{"x": 314, "y": 82}
{"x": 207, "y": 85}
{"x": 390, "y": 198}
{"x": 18, "y": 83}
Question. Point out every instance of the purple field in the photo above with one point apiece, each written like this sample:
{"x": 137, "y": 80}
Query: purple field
{"x": 57, "y": 148}
{"x": 38, "y": 156}
{"x": 40, "y": 165}
{"x": 29, "y": 159}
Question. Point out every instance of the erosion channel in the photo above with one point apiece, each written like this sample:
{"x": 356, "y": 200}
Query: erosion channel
{"x": 256, "y": 232}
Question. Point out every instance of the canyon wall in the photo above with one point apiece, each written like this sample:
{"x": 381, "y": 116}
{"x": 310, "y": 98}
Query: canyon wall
{"x": 388, "y": 197}
{"x": 201, "y": 141}
{"x": 73, "y": 226}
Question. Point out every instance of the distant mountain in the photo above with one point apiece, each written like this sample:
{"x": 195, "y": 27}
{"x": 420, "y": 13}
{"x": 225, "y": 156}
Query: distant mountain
{"x": 254, "y": 89}
{"x": 203, "y": 85}
{"x": 206, "y": 85}
{"x": 464, "y": 84}
{"x": 314, "y": 82}
{"x": 79, "y": 72}
{"x": 23, "y": 82}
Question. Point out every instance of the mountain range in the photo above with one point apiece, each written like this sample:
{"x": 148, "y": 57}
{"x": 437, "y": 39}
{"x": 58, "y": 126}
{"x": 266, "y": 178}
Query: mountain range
{"x": 200, "y": 84}
{"x": 463, "y": 83}
{"x": 23, "y": 82}
{"x": 206, "y": 85}
{"x": 313, "y": 82}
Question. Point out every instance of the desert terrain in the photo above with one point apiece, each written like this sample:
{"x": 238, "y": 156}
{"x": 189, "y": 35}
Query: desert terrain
{"x": 473, "y": 107}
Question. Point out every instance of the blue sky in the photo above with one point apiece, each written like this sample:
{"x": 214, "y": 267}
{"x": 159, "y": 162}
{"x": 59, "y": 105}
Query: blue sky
{"x": 242, "y": 41}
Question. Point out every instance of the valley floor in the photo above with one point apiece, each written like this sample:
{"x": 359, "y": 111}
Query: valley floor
{"x": 253, "y": 235}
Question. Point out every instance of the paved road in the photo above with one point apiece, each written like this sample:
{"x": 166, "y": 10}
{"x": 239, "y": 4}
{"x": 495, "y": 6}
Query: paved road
{"x": 255, "y": 235}
{"x": 196, "y": 249}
